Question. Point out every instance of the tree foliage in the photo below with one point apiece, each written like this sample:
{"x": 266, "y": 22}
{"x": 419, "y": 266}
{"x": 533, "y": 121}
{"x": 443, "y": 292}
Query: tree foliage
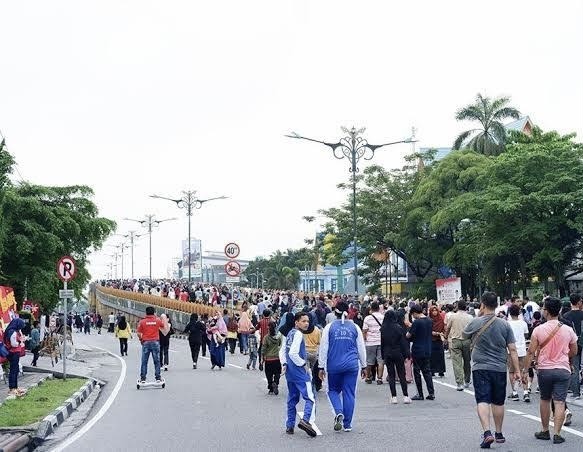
{"x": 490, "y": 137}
{"x": 39, "y": 225}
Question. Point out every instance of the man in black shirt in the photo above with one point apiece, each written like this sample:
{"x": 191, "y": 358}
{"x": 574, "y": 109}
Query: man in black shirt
{"x": 575, "y": 316}
{"x": 420, "y": 335}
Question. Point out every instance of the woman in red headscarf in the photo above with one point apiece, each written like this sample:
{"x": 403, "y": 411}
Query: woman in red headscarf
{"x": 437, "y": 354}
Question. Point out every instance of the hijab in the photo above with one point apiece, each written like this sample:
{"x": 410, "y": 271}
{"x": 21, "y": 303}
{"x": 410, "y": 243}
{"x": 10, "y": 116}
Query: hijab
{"x": 122, "y": 324}
{"x": 437, "y": 318}
{"x": 15, "y": 325}
{"x": 288, "y": 324}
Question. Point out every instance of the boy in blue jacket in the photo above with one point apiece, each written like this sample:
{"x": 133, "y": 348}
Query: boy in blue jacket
{"x": 293, "y": 358}
{"x": 342, "y": 356}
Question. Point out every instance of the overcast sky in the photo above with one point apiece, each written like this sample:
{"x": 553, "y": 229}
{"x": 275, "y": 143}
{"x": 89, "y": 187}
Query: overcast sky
{"x": 141, "y": 97}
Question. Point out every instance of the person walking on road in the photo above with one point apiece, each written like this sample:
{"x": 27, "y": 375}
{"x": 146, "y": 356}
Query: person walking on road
{"x": 575, "y": 315}
{"x": 99, "y": 323}
{"x": 395, "y": 349}
{"x": 342, "y": 356}
{"x": 270, "y": 347}
{"x": 437, "y": 352}
{"x": 371, "y": 330}
{"x": 555, "y": 344}
{"x": 217, "y": 332}
{"x": 111, "y": 321}
{"x": 520, "y": 331}
{"x": 165, "y": 343}
{"x": 123, "y": 332}
{"x": 420, "y": 335}
{"x": 492, "y": 340}
{"x": 149, "y": 330}
{"x": 460, "y": 347}
{"x": 293, "y": 356}
{"x": 196, "y": 331}
{"x": 35, "y": 342}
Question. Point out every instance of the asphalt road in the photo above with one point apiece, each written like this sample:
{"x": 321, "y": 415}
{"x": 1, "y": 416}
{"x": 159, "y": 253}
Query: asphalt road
{"x": 207, "y": 410}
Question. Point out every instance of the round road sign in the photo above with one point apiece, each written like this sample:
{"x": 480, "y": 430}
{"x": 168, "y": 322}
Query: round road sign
{"x": 66, "y": 268}
{"x": 233, "y": 268}
{"x": 232, "y": 250}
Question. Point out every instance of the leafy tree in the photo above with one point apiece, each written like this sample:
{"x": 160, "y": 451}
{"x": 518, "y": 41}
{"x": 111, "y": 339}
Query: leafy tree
{"x": 490, "y": 137}
{"x": 42, "y": 224}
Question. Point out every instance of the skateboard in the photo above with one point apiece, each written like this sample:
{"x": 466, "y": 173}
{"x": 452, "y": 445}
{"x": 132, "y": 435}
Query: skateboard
{"x": 151, "y": 384}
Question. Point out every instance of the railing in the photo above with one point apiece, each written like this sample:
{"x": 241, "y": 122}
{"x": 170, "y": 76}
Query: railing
{"x": 135, "y": 304}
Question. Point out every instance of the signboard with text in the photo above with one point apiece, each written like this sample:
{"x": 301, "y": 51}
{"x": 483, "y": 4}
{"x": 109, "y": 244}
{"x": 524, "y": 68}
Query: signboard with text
{"x": 449, "y": 290}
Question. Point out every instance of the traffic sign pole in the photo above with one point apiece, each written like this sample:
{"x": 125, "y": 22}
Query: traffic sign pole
{"x": 66, "y": 271}
{"x": 65, "y": 338}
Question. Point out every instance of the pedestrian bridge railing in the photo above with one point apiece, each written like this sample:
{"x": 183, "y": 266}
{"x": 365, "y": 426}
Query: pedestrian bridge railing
{"x": 135, "y": 304}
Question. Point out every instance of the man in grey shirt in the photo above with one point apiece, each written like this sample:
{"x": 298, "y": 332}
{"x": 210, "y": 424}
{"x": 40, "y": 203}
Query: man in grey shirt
{"x": 492, "y": 340}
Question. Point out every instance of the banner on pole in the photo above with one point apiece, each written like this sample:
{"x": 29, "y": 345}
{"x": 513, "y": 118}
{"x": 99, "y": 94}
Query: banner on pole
{"x": 194, "y": 260}
{"x": 449, "y": 290}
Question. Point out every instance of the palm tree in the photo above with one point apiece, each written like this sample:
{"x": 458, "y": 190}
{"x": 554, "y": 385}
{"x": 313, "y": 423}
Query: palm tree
{"x": 490, "y": 137}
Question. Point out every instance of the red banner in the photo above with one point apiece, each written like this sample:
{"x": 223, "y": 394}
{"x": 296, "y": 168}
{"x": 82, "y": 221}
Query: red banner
{"x": 7, "y": 306}
{"x": 31, "y": 307}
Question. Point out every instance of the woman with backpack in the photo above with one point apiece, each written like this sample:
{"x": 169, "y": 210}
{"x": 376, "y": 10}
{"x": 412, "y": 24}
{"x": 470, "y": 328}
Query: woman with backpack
{"x": 232, "y": 329}
{"x": 13, "y": 341}
{"x": 270, "y": 358}
{"x": 196, "y": 331}
{"x": 123, "y": 332}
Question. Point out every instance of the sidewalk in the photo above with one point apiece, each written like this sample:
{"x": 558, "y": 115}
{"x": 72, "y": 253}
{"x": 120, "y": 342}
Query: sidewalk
{"x": 26, "y": 381}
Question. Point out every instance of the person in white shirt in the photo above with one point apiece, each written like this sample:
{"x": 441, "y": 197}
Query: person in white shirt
{"x": 371, "y": 330}
{"x": 520, "y": 330}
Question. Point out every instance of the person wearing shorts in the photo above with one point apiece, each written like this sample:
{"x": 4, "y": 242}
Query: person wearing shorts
{"x": 371, "y": 329}
{"x": 520, "y": 330}
{"x": 492, "y": 339}
{"x": 555, "y": 344}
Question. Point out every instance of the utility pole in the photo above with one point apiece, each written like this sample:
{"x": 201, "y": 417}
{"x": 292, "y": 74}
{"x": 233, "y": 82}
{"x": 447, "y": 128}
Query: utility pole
{"x": 132, "y": 235}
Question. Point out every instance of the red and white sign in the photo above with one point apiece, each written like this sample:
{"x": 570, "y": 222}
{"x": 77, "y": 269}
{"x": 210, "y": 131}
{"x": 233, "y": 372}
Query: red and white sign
{"x": 232, "y": 250}
{"x": 66, "y": 268}
{"x": 233, "y": 268}
{"x": 449, "y": 290}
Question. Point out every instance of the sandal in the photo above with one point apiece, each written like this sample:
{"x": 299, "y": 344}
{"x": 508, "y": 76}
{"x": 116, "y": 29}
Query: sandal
{"x": 20, "y": 392}
{"x": 379, "y": 382}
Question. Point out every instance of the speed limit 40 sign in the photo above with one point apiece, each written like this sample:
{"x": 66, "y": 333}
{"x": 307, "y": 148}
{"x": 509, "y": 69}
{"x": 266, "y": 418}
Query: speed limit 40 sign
{"x": 232, "y": 250}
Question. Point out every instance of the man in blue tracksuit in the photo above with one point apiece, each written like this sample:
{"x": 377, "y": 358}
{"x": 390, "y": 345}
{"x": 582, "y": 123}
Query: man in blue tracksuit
{"x": 342, "y": 356}
{"x": 293, "y": 357}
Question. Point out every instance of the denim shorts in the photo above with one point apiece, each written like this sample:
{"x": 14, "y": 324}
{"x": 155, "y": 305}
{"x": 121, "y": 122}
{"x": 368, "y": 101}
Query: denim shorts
{"x": 489, "y": 386}
{"x": 373, "y": 355}
{"x": 553, "y": 384}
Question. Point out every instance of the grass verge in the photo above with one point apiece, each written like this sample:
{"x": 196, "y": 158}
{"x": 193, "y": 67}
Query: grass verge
{"x": 38, "y": 402}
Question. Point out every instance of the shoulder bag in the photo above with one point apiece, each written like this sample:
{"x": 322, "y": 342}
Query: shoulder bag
{"x": 480, "y": 331}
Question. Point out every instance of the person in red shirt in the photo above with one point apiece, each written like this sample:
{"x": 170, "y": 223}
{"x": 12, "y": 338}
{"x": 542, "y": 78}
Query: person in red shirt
{"x": 149, "y": 333}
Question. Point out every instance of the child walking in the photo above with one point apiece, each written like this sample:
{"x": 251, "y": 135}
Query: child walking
{"x": 253, "y": 348}
{"x": 270, "y": 357}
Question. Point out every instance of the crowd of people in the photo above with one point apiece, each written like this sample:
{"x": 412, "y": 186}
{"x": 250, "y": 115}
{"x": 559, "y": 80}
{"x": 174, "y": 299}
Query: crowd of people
{"x": 330, "y": 340}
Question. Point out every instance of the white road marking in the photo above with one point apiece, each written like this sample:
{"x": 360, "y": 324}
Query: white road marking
{"x": 313, "y": 424}
{"x": 519, "y": 413}
{"x": 103, "y": 409}
{"x": 172, "y": 351}
{"x": 234, "y": 365}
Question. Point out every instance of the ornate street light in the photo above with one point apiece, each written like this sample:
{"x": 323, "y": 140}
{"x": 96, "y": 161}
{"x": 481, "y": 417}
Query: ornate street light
{"x": 149, "y": 222}
{"x": 354, "y": 148}
{"x": 188, "y": 201}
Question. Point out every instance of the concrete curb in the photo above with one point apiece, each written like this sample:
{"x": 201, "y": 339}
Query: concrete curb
{"x": 57, "y": 417}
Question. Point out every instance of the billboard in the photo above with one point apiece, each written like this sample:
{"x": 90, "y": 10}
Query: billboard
{"x": 449, "y": 290}
{"x": 7, "y": 306}
{"x": 195, "y": 258}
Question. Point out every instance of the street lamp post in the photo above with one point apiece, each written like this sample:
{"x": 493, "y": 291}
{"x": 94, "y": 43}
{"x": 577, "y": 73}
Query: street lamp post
{"x": 188, "y": 201}
{"x": 132, "y": 235}
{"x": 354, "y": 148}
{"x": 149, "y": 222}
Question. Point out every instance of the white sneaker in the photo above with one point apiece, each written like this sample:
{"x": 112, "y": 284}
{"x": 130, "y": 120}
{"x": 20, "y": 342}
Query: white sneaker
{"x": 394, "y": 400}
{"x": 407, "y": 400}
{"x": 347, "y": 429}
{"x": 568, "y": 416}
